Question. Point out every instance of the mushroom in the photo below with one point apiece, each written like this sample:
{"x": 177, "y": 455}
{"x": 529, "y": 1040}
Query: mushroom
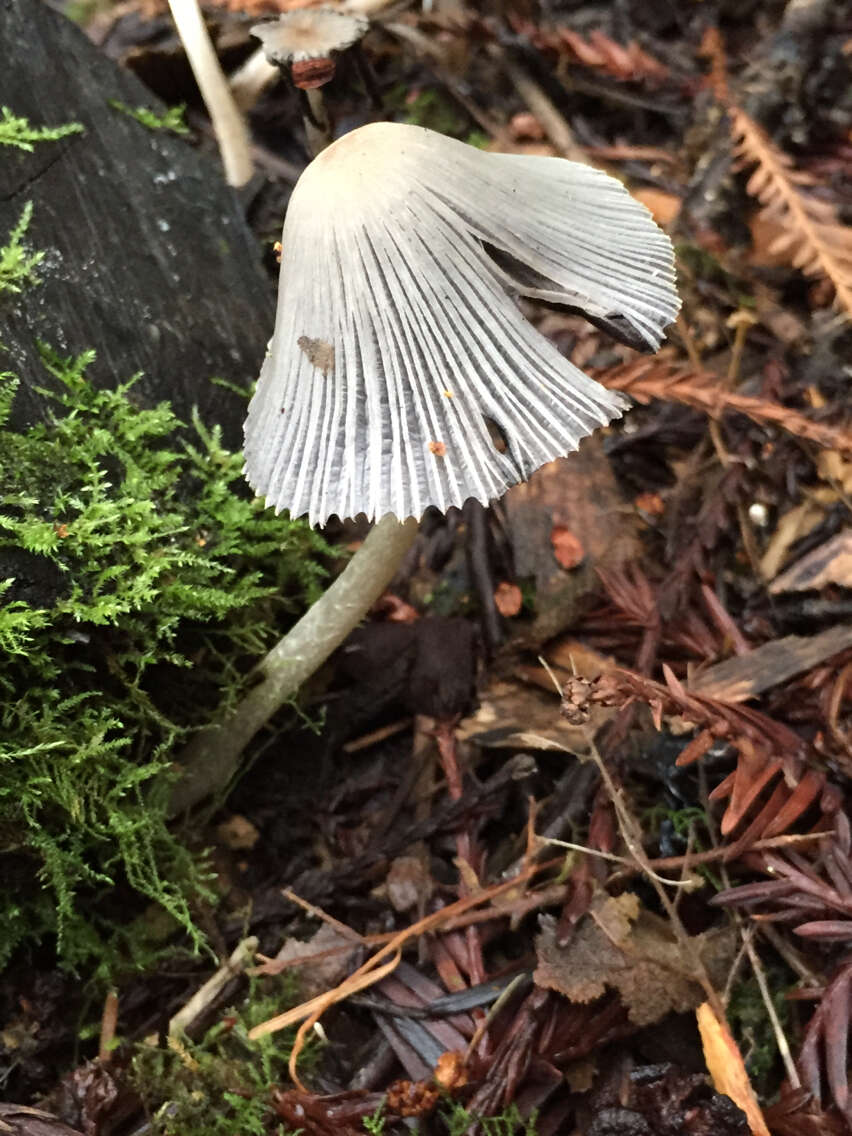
{"x": 308, "y": 41}
{"x": 397, "y": 339}
{"x": 398, "y": 343}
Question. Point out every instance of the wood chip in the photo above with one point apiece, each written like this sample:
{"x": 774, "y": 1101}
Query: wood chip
{"x": 737, "y": 680}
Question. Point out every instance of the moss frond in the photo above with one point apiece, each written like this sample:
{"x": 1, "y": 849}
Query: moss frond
{"x": 171, "y": 119}
{"x": 17, "y": 263}
{"x": 16, "y": 130}
{"x": 139, "y": 581}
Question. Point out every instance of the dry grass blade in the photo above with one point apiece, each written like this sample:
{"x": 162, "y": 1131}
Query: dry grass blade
{"x": 389, "y": 955}
{"x": 813, "y": 237}
{"x": 647, "y": 379}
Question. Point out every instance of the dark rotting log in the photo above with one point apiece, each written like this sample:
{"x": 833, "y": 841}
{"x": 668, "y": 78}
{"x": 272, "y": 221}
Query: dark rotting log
{"x": 148, "y": 259}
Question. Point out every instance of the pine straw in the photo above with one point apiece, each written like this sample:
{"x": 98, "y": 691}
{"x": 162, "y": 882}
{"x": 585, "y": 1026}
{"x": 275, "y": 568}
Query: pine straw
{"x": 647, "y": 379}
{"x": 385, "y": 961}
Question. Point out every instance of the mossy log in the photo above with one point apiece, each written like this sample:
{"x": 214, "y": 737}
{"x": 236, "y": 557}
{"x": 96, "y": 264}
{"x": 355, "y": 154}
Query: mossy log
{"x": 148, "y": 259}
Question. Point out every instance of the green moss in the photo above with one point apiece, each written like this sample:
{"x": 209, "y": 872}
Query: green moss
{"x": 458, "y": 1121}
{"x": 16, "y": 131}
{"x": 220, "y": 1085}
{"x": 17, "y": 263}
{"x": 509, "y": 1123}
{"x": 139, "y": 581}
{"x": 429, "y": 107}
{"x": 753, "y": 1030}
{"x": 171, "y": 119}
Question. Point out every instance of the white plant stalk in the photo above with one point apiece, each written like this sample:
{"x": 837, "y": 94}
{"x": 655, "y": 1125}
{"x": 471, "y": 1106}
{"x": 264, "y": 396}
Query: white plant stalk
{"x": 228, "y": 123}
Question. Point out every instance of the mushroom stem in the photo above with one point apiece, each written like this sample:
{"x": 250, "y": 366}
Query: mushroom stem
{"x": 228, "y": 123}
{"x": 211, "y": 758}
{"x": 316, "y": 120}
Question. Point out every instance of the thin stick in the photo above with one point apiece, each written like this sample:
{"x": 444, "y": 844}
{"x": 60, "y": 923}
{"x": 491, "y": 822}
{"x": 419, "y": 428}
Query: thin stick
{"x": 371, "y": 972}
{"x": 546, "y": 111}
{"x": 109, "y": 1020}
{"x": 241, "y": 956}
{"x": 777, "y": 1028}
{"x": 445, "y": 735}
{"x": 318, "y": 913}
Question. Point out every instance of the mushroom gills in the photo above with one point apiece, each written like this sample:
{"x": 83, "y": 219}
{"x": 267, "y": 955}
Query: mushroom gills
{"x": 526, "y": 281}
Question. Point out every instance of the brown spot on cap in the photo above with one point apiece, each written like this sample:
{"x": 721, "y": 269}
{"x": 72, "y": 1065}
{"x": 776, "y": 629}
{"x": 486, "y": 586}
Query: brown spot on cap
{"x": 438, "y": 449}
{"x": 320, "y": 354}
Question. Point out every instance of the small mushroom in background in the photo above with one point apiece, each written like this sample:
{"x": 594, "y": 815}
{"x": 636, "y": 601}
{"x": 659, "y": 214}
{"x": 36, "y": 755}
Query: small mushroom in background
{"x": 398, "y": 342}
{"x": 305, "y": 44}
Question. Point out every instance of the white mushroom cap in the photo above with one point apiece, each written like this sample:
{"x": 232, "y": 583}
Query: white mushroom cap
{"x": 397, "y": 335}
{"x": 311, "y": 33}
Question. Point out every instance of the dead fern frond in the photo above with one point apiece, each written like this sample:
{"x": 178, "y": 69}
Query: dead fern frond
{"x": 812, "y": 236}
{"x": 647, "y": 379}
{"x": 598, "y": 51}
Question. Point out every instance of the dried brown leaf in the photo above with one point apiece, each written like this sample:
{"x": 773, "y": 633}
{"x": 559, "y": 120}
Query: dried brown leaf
{"x": 622, "y": 946}
{"x": 727, "y": 1068}
{"x": 598, "y": 51}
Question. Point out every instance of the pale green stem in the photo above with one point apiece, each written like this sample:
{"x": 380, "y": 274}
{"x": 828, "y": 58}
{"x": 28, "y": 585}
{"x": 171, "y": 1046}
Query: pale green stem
{"x": 211, "y": 758}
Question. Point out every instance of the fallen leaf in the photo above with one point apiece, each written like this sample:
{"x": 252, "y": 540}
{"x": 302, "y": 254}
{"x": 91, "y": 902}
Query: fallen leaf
{"x": 578, "y": 493}
{"x": 567, "y": 548}
{"x": 408, "y": 883}
{"x": 512, "y": 716}
{"x": 508, "y": 599}
{"x": 622, "y": 946}
{"x": 726, "y": 1067}
{"x": 328, "y": 957}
